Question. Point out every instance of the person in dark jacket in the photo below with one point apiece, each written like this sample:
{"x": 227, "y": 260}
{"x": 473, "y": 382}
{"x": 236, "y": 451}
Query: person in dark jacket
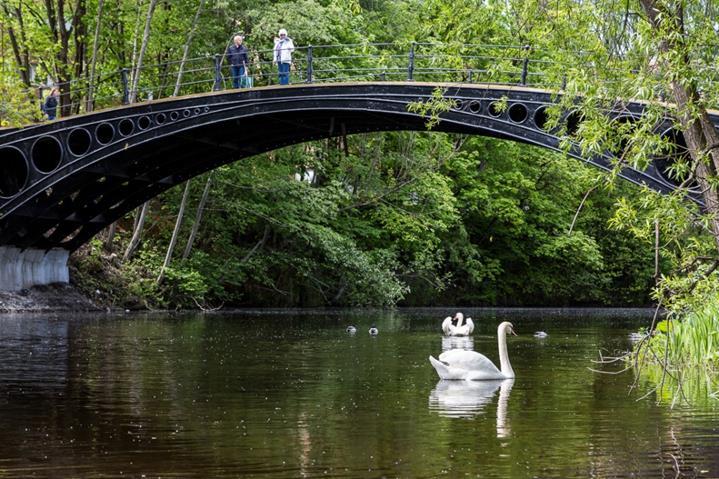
{"x": 50, "y": 106}
{"x": 237, "y": 56}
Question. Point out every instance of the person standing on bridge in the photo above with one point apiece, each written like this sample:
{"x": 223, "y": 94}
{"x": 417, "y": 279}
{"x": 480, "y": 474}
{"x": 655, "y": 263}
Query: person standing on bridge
{"x": 237, "y": 55}
{"x": 283, "y": 56}
{"x": 50, "y": 105}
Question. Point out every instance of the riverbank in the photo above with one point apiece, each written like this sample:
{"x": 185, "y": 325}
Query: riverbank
{"x": 51, "y": 298}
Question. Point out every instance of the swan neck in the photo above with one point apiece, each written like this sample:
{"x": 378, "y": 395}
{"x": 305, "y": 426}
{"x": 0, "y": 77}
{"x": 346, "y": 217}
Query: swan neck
{"x": 505, "y": 365}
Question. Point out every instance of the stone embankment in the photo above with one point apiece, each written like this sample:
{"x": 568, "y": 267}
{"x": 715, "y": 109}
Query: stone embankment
{"x": 50, "y": 298}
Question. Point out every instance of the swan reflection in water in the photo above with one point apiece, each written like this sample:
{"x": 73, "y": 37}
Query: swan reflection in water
{"x": 466, "y": 399}
{"x": 457, "y": 342}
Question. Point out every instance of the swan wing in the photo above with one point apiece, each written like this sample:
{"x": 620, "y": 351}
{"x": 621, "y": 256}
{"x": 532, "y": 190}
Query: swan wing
{"x": 447, "y": 324}
{"x": 461, "y": 330}
{"x": 470, "y": 325}
{"x": 471, "y": 361}
{"x": 448, "y": 372}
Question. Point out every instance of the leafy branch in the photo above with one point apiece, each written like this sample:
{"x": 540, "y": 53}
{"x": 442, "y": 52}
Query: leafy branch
{"x": 433, "y": 108}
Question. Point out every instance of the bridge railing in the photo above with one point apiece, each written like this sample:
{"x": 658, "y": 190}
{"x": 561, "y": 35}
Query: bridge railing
{"x": 467, "y": 63}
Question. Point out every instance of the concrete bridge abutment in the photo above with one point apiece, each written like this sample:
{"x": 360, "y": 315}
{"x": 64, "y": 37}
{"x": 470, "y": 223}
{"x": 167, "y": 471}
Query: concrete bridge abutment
{"x": 21, "y": 269}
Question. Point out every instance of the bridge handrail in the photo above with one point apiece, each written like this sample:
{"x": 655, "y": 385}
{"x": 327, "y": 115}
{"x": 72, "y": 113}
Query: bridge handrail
{"x": 430, "y": 61}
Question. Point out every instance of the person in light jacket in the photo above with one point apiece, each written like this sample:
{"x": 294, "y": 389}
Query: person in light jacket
{"x": 283, "y": 56}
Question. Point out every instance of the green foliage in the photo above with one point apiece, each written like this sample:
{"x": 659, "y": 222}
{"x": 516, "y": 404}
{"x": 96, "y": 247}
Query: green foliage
{"x": 432, "y": 108}
{"x": 689, "y": 341}
{"x": 18, "y": 107}
{"x": 395, "y": 218}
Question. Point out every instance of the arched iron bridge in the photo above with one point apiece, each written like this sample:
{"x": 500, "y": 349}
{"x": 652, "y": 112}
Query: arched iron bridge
{"x": 63, "y": 182}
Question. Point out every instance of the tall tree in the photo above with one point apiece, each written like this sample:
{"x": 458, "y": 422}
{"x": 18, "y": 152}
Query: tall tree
{"x": 198, "y": 217}
{"x": 186, "y": 48}
{"x": 137, "y": 231}
{"x": 667, "y": 20}
{"x": 175, "y": 232}
{"x": 137, "y": 72}
{"x": 93, "y": 60}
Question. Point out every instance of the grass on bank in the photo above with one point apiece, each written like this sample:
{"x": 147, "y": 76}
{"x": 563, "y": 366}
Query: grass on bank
{"x": 682, "y": 356}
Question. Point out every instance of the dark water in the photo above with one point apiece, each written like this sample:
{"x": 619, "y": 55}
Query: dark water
{"x": 284, "y": 396}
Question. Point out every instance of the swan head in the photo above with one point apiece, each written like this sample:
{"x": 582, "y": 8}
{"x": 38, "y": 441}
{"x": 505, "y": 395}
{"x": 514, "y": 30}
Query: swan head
{"x": 506, "y": 327}
{"x": 459, "y": 316}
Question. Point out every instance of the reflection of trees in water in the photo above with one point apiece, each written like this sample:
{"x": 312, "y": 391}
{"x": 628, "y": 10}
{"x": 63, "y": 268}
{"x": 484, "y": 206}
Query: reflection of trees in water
{"x": 688, "y": 386}
{"x": 689, "y": 392}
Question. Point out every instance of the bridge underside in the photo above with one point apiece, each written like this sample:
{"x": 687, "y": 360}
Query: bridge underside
{"x": 65, "y": 181}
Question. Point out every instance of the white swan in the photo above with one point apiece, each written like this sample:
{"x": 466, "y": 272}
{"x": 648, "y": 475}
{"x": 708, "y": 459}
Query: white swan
{"x": 540, "y": 335}
{"x": 373, "y": 331}
{"x": 472, "y": 366}
{"x": 462, "y": 328}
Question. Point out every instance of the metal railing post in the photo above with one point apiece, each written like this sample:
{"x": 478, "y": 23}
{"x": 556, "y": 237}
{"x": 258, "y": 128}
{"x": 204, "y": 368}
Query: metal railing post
{"x": 218, "y": 73}
{"x": 469, "y": 76}
{"x": 410, "y": 67}
{"x": 125, "y": 86}
{"x": 525, "y": 65}
{"x": 310, "y": 69}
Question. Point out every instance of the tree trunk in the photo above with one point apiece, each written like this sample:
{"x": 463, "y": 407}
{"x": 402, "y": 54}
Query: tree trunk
{"x": 175, "y": 232}
{"x": 110, "y": 236}
{"x": 198, "y": 218}
{"x": 140, "y": 218}
{"x": 186, "y": 48}
{"x": 137, "y": 232}
{"x": 135, "y": 35}
{"x": 79, "y": 30}
{"x": 143, "y": 48}
{"x": 93, "y": 61}
{"x": 19, "y": 47}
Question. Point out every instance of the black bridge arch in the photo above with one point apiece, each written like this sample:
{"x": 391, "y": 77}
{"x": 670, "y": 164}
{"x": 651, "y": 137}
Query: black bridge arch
{"x": 63, "y": 182}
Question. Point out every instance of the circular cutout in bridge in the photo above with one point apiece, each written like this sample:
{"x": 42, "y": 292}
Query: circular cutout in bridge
{"x": 144, "y": 122}
{"x": 541, "y": 117}
{"x": 174, "y": 116}
{"x": 104, "y": 133}
{"x": 623, "y": 128}
{"x": 495, "y": 109}
{"x": 672, "y": 164}
{"x": 518, "y": 113}
{"x": 46, "y": 154}
{"x": 574, "y": 121}
{"x": 126, "y": 127}
{"x": 474, "y": 106}
{"x": 14, "y": 171}
{"x": 160, "y": 118}
{"x": 79, "y": 141}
